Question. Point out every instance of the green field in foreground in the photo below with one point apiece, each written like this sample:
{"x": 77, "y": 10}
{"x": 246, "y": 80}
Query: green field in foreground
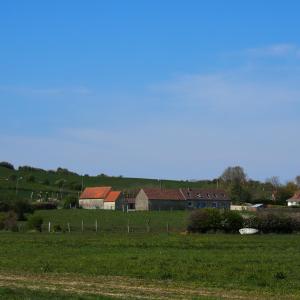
{"x": 266, "y": 263}
{"x": 115, "y": 221}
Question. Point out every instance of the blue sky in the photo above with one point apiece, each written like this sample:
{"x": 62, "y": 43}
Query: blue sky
{"x": 163, "y": 89}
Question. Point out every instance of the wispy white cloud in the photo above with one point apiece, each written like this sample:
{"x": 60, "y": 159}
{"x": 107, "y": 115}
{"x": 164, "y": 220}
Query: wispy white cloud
{"x": 276, "y": 50}
{"x": 227, "y": 91}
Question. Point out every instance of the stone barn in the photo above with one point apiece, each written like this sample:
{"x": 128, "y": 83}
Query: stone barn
{"x": 159, "y": 199}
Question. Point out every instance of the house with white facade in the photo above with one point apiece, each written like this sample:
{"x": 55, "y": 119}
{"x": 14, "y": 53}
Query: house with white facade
{"x": 295, "y": 200}
{"x": 99, "y": 198}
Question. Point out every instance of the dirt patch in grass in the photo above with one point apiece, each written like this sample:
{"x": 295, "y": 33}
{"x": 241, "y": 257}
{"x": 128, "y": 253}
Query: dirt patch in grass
{"x": 124, "y": 287}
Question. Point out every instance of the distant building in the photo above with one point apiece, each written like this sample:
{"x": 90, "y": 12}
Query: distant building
{"x": 180, "y": 199}
{"x": 295, "y": 200}
{"x": 99, "y": 198}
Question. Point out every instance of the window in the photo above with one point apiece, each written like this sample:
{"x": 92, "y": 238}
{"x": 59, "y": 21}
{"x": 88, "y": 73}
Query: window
{"x": 214, "y": 204}
{"x": 201, "y": 205}
{"x": 190, "y": 204}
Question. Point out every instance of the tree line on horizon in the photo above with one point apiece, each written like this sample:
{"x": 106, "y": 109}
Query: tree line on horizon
{"x": 233, "y": 179}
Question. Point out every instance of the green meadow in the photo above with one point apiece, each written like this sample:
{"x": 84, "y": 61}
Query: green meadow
{"x": 115, "y": 221}
{"x": 263, "y": 264}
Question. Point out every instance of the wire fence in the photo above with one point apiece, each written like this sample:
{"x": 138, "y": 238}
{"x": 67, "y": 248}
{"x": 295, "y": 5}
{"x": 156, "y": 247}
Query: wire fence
{"x": 98, "y": 227}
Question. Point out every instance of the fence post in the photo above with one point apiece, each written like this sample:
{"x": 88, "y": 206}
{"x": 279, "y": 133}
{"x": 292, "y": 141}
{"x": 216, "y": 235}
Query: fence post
{"x": 128, "y": 226}
{"x": 168, "y": 227}
{"x": 49, "y": 227}
{"x": 96, "y": 226}
{"x": 148, "y": 225}
{"x": 81, "y": 225}
{"x": 69, "y": 228}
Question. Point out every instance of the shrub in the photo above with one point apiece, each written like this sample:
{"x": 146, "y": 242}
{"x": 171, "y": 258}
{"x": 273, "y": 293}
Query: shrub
{"x": 204, "y": 220}
{"x": 8, "y": 221}
{"x": 4, "y": 205}
{"x": 7, "y": 165}
{"x": 71, "y": 201}
{"x": 232, "y": 221}
{"x": 20, "y": 207}
{"x": 44, "y": 205}
{"x": 35, "y": 223}
{"x": 275, "y": 223}
{"x": 2, "y": 220}
{"x": 57, "y": 228}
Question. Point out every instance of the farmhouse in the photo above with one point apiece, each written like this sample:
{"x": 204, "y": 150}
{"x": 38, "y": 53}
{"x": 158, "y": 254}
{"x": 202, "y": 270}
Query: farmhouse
{"x": 295, "y": 200}
{"x": 100, "y": 197}
{"x": 179, "y": 199}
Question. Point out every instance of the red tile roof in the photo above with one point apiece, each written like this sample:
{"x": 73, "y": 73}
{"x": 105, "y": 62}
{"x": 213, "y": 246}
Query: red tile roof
{"x": 163, "y": 194}
{"x": 95, "y": 192}
{"x": 296, "y": 197}
{"x": 112, "y": 196}
{"x": 186, "y": 194}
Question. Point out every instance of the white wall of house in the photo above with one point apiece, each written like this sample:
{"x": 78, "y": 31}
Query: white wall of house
{"x": 91, "y": 203}
{"x": 109, "y": 205}
{"x": 239, "y": 207}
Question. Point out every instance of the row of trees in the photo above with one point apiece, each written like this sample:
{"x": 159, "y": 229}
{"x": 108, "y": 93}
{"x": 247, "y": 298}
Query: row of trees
{"x": 243, "y": 189}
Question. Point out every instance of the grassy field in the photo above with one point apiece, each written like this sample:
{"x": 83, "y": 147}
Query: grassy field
{"x": 214, "y": 265}
{"x": 115, "y": 221}
{"x": 25, "y": 188}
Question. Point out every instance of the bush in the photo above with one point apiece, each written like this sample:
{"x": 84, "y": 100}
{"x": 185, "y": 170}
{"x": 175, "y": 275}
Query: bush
{"x": 6, "y": 165}
{"x": 268, "y": 223}
{"x": 8, "y": 221}
{"x": 71, "y": 201}
{"x": 20, "y": 207}
{"x": 205, "y": 220}
{"x": 35, "y": 223}
{"x": 232, "y": 221}
{"x": 44, "y": 205}
{"x": 57, "y": 228}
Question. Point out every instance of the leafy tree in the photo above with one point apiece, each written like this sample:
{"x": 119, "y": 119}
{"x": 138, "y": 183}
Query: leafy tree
{"x": 20, "y": 207}
{"x": 298, "y": 181}
{"x": 274, "y": 181}
{"x": 234, "y": 174}
{"x": 239, "y": 193}
{"x": 7, "y": 165}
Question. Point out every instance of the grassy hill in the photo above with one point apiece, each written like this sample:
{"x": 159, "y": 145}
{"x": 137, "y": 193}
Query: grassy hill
{"x": 29, "y": 183}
